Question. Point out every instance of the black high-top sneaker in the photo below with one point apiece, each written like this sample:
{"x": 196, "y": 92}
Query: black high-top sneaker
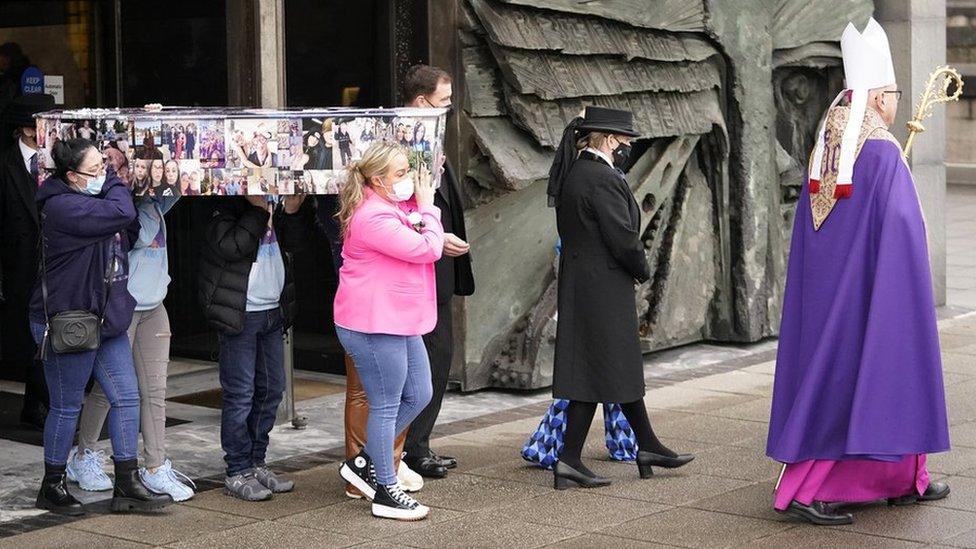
{"x": 360, "y": 472}
{"x": 393, "y": 503}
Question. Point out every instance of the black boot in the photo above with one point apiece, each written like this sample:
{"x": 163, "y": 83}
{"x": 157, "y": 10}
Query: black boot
{"x": 647, "y": 459}
{"x": 54, "y": 496}
{"x": 818, "y": 513}
{"x": 131, "y": 494}
{"x": 563, "y": 477}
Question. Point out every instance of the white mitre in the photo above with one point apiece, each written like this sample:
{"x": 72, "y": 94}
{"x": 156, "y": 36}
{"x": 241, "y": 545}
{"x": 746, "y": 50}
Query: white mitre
{"x": 867, "y": 65}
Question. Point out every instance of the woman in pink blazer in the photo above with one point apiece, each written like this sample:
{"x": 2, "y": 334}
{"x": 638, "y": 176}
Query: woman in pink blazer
{"x": 387, "y": 299}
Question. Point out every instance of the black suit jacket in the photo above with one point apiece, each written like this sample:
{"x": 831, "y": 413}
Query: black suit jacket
{"x": 454, "y": 275}
{"x": 18, "y": 225}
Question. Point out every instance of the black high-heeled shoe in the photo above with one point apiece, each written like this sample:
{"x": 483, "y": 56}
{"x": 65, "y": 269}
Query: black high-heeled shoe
{"x": 563, "y": 477}
{"x": 645, "y": 460}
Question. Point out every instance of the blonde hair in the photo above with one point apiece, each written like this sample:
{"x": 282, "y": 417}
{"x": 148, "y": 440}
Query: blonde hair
{"x": 592, "y": 139}
{"x": 376, "y": 161}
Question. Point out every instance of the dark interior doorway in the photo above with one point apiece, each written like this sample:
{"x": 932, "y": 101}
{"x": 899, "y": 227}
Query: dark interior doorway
{"x": 337, "y": 53}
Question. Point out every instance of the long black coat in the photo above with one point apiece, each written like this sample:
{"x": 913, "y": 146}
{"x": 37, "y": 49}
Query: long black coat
{"x": 598, "y": 355}
{"x": 18, "y": 259}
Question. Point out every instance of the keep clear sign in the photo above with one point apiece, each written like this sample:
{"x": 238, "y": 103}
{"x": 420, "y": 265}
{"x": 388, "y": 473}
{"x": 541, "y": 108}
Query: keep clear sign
{"x": 32, "y": 81}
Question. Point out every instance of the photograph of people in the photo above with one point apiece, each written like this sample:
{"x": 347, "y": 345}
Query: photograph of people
{"x": 140, "y": 177}
{"x": 233, "y": 186}
{"x": 344, "y": 142}
{"x": 190, "y": 177}
{"x": 318, "y": 146}
{"x": 164, "y": 178}
{"x": 260, "y": 155}
{"x": 251, "y": 143}
{"x": 260, "y": 181}
{"x": 118, "y": 161}
{"x": 212, "y": 143}
{"x": 86, "y": 131}
{"x": 191, "y": 140}
{"x": 214, "y": 183}
{"x": 420, "y": 143}
{"x": 401, "y": 135}
{"x": 179, "y": 143}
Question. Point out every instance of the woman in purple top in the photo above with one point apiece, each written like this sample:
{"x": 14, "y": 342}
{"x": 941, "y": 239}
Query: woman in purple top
{"x": 85, "y": 210}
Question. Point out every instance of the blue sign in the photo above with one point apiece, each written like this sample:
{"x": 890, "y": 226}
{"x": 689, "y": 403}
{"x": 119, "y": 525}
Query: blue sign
{"x": 32, "y": 81}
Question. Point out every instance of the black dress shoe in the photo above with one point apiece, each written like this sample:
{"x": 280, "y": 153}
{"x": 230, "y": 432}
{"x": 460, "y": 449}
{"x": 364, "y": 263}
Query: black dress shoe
{"x": 131, "y": 494}
{"x": 645, "y": 460}
{"x": 818, "y": 513}
{"x": 447, "y": 462}
{"x": 54, "y": 496}
{"x": 426, "y": 466}
{"x": 34, "y": 415}
{"x": 564, "y": 476}
{"x": 935, "y": 491}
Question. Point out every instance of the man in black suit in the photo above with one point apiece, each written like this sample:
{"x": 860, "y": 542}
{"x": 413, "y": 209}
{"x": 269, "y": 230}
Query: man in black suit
{"x": 18, "y": 251}
{"x": 430, "y": 87}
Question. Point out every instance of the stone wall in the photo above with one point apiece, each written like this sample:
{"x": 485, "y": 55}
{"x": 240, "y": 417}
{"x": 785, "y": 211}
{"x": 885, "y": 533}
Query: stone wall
{"x": 726, "y": 96}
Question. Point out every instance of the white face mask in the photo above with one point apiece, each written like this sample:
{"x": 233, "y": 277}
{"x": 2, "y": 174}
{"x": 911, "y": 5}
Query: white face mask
{"x": 403, "y": 189}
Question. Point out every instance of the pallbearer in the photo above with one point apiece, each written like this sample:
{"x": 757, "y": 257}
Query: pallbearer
{"x": 858, "y": 399}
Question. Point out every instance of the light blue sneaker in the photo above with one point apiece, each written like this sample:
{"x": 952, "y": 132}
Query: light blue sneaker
{"x": 86, "y": 470}
{"x": 167, "y": 480}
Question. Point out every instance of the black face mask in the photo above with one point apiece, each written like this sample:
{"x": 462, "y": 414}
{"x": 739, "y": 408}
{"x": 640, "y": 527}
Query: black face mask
{"x": 621, "y": 155}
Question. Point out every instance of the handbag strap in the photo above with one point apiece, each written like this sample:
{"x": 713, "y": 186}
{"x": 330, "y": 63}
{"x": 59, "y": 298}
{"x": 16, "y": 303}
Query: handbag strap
{"x": 43, "y": 268}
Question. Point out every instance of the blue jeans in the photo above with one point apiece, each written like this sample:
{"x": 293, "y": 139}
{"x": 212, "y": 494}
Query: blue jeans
{"x": 395, "y": 372}
{"x": 67, "y": 375}
{"x": 252, "y": 380}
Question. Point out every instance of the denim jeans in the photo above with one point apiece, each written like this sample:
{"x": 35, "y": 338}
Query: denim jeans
{"x": 149, "y": 337}
{"x": 68, "y": 373}
{"x": 252, "y": 380}
{"x": 395, "y": 373}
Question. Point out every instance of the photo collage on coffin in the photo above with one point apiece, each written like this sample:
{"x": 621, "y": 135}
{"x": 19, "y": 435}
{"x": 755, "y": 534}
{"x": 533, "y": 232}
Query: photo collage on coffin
{"x": 226, "y": 156}
{"x": 112, "y": 136}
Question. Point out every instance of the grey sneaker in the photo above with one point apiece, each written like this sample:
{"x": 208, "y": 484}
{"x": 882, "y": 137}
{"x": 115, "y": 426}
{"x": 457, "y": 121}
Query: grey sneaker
{"x": 247, "y": 487}
{"x": 271, "y": 481}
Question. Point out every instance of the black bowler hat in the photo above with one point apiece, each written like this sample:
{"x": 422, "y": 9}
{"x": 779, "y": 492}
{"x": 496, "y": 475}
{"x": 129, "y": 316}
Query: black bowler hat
{"x": 21, "y": 110}
{"x": 602, "y": 119}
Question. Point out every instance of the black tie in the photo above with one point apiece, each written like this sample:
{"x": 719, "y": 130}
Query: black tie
{"x": 33, "y": 166}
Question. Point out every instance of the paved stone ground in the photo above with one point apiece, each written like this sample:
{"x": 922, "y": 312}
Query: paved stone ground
{"x": 961, "y": 246}
{"x": 496, "y": 500}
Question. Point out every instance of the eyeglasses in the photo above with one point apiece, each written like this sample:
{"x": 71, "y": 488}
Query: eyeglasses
{"x": 897, "y": 94}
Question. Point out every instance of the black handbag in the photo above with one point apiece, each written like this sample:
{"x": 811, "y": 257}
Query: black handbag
{"x": 73, "y": 331}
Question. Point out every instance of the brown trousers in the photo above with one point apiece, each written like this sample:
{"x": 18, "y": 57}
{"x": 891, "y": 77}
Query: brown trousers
{"x": 357, "y": 411}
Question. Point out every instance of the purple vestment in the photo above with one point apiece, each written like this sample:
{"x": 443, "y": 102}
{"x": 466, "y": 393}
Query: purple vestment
{"x": 858, "y": 371}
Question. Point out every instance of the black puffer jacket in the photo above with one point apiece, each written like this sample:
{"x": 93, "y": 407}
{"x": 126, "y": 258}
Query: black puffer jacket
{"x": 233, "y": 237}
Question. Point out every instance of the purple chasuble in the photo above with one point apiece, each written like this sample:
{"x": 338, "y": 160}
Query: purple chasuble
{"x": 858, "y": 370}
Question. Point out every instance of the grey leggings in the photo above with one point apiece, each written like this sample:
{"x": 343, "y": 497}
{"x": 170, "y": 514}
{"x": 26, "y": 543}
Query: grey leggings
{"x": 149, "y": 336}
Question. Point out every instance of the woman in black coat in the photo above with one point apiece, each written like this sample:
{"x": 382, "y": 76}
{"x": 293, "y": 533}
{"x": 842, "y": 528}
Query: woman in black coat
{"x": 598, "y": 355}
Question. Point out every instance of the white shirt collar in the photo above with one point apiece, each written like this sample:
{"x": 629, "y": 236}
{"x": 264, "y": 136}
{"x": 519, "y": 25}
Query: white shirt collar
{"x": 26, "y": 152}
{"x": 601, "y": 154}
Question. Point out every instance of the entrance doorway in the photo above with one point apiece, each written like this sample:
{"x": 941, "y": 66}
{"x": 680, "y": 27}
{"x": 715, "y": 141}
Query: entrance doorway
{"x": 337, "y": 53}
